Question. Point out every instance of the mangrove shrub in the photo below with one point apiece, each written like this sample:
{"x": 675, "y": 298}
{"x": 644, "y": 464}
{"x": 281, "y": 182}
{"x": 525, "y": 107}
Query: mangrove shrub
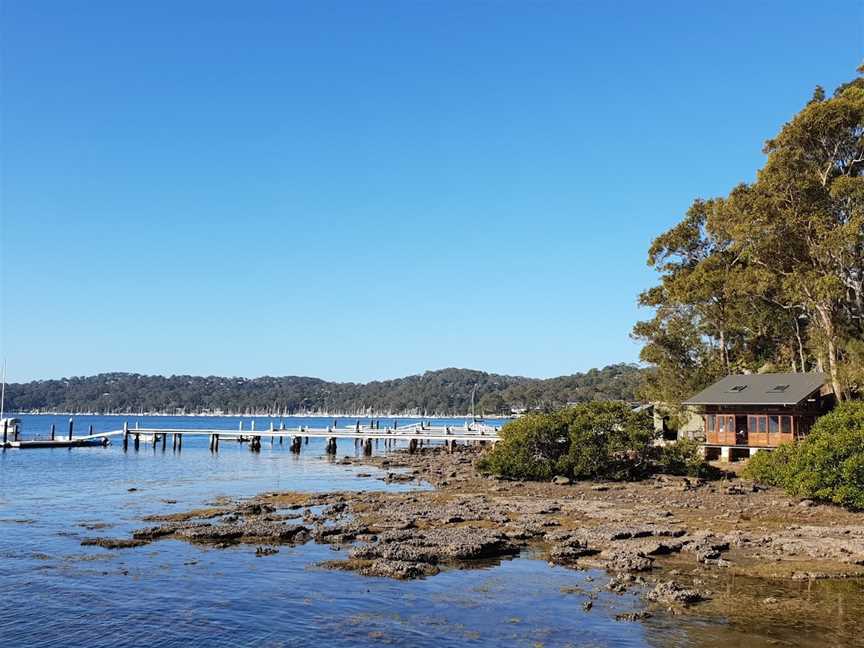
{"x": 530, "y": 447}
{"x": 607, "y": 441}
{"x": 685, "y": 458}
{"x": 827, "y": 465}
{"x": 600, "y": 440}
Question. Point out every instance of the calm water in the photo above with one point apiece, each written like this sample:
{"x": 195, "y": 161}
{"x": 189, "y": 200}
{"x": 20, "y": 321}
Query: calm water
{"x": 53, "y": 592}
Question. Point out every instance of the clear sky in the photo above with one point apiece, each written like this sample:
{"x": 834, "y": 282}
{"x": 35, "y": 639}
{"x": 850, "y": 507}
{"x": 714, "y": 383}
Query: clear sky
{"x": 358, "y": 190}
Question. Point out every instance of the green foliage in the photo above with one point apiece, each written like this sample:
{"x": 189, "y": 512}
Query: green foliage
{"x": 684, "y": 457}
{"x": 607, "y": 441}
{"x": 769, "y": 276}
{"x": 601, "y": 440}
{"x": 771, "y": 468}
{"x": 827, "y": 465}
{"x": 443, "y": 392}
{"x": 530, "y": 447}
{"x": 493, "y": 403}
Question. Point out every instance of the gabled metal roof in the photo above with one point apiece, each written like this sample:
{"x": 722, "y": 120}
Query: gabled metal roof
{"x": 760, "y": 389}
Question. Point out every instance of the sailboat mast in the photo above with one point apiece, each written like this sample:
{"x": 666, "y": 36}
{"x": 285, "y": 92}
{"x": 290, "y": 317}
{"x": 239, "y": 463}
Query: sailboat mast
{"x": 3, "y": 390}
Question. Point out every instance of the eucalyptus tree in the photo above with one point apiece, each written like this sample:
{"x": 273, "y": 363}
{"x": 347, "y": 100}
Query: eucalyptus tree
{"x": 771, "y": 275}
{"x": 813, "y": 193}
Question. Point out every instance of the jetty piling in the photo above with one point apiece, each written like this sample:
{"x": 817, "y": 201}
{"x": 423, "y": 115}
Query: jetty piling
{"x": 367, "y": 436}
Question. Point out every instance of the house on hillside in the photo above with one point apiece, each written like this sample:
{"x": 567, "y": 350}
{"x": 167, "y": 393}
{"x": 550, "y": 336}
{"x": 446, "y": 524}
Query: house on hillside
{"x": 743, "y": 414}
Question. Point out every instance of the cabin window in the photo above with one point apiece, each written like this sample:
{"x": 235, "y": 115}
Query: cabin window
{"x": 786, "y": 424}
{"x": 711, "y": 422}
{"x": 774, "y": 424}
{"x": 721, "y": 427}
{"x": 763, "y": 424}
{"x": 752, "y": 423}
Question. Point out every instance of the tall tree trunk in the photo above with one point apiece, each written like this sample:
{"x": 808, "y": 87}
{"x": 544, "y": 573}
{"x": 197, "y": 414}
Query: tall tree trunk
{"x": 831, "y": 344}
{"x": 800, "y": 345}
{"x": 858, "y": 290}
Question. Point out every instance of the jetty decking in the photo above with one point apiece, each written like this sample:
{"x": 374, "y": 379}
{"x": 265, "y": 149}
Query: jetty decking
{"x": 363, "y": 435}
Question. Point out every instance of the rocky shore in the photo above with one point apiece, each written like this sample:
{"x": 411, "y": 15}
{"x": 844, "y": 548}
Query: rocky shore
{"x": 679, "y": 541}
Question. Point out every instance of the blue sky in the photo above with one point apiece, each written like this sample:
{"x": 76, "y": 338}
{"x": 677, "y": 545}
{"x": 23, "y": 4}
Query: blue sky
{"x": 358, "y": 190}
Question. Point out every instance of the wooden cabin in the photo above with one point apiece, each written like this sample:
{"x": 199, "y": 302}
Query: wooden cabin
{"x": 742, "y": 414}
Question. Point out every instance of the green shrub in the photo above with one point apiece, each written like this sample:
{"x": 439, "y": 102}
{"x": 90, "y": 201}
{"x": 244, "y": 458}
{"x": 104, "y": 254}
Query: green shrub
{"x": 771, "y": 468}
{"x": 607, "y": 441}
{"x": 828, "y": 465}
{"x": 684, "y": 457}
{"x": 529, "y": 448}
{"x": 592, "y": 440}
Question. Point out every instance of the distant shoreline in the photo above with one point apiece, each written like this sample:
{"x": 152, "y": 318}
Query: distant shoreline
{"x": 271, "y": 416}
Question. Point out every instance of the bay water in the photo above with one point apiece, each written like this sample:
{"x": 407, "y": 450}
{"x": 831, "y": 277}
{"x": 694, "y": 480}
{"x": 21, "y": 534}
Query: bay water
{"x": 55, "y": 592}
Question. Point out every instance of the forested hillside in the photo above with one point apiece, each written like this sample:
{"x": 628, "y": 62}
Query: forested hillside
{"x": 447, "y": 391}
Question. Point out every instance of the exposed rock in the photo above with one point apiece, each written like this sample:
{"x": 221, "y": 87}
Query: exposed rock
{"x": 621, "y": 527}
{"x": 620, "y": 582}
{"x": 113, "y": 543}
{"x": 671, "y": 592}
{"x": 397, "y": 569}
{"x": 633, "y": 616}
{"x": 620, "y": 561}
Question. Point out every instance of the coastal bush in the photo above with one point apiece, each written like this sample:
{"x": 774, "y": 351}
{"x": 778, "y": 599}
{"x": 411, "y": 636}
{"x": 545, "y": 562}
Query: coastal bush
{"x": 827, "y": 465}
{"x": 771, "y": 468}
{"x": 529, "y": 447}
{"x": 684, "y": 457}
{"x": 608, "y": 440}
{"x": 600, "y": 440}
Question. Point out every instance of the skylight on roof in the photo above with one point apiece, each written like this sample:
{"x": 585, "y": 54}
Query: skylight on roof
{"x": 778, "y": 389}
{"x": 737, "y": 388}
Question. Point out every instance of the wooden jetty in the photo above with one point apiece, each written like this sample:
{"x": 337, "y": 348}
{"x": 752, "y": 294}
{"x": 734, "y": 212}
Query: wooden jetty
{"x": 12, "y": 437}
{"x": 365, "y": 436}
